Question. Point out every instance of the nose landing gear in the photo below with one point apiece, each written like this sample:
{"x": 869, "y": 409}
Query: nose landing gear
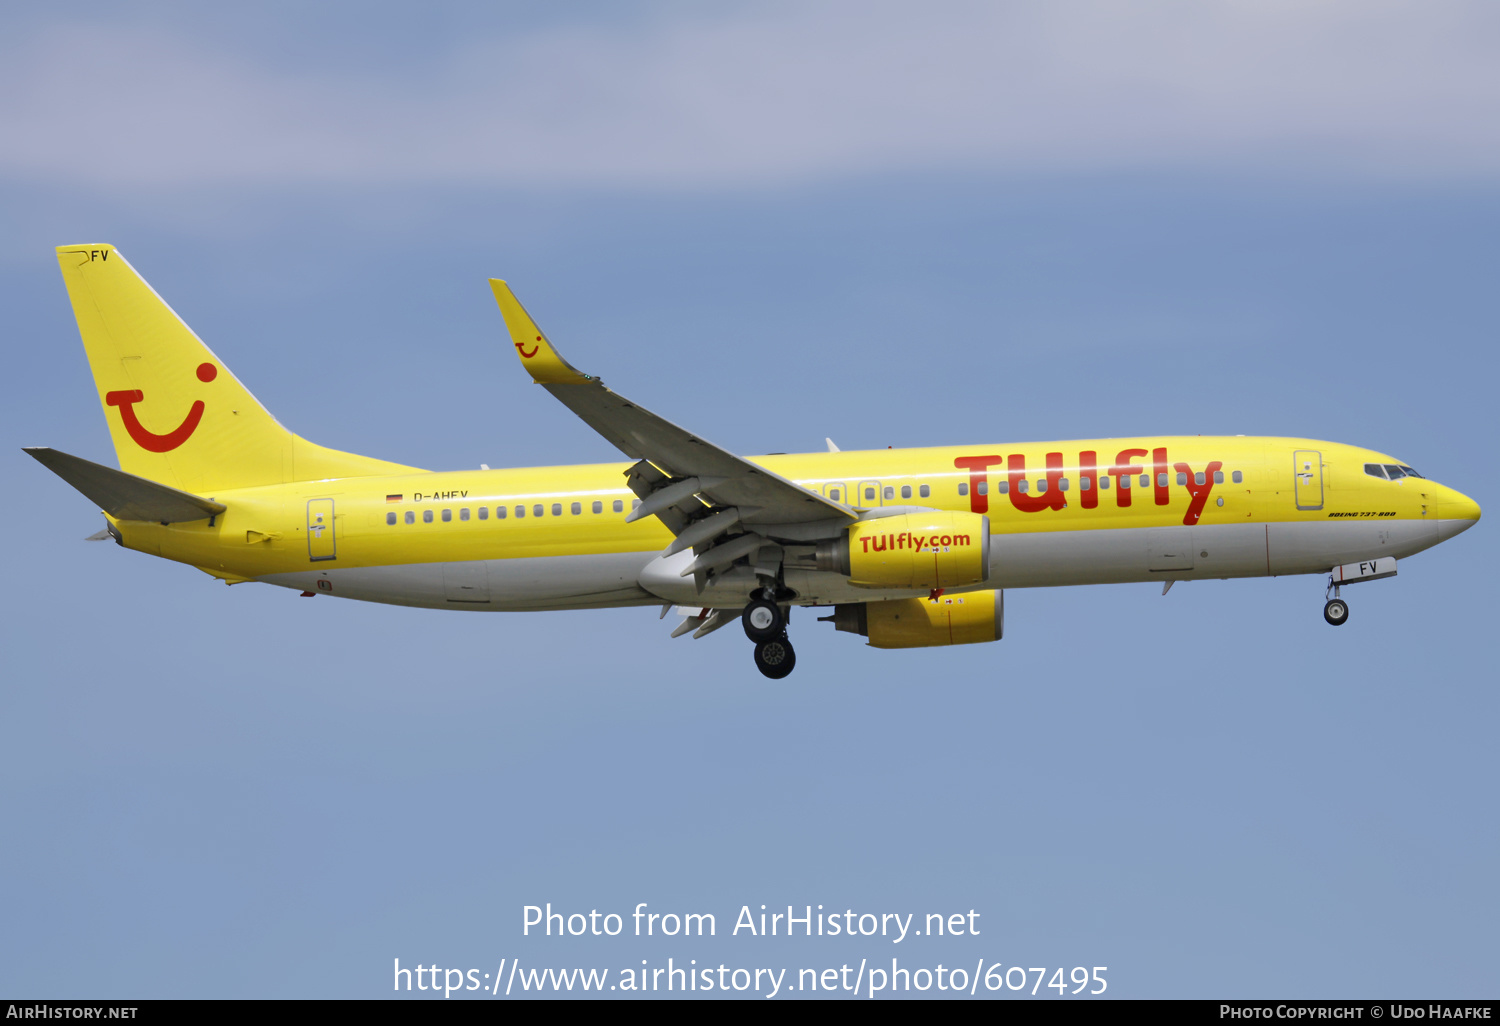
{"x": 1335, "y": 610}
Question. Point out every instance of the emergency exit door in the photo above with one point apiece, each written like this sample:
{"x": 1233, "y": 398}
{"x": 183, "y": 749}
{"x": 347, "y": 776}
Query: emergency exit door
{"x": 320, "y": 541}
{"x": 1307, "y": 467}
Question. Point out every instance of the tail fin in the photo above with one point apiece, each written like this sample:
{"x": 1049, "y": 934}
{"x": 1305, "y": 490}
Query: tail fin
{"x": 175, "y": 412}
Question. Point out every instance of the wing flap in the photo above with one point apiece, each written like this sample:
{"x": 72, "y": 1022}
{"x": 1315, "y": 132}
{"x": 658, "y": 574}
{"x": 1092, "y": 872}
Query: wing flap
{"x": 761, "y": 495}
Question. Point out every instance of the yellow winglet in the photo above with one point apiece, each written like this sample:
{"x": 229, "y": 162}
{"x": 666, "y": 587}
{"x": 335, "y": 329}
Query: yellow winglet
{"x": 545, "y": 365}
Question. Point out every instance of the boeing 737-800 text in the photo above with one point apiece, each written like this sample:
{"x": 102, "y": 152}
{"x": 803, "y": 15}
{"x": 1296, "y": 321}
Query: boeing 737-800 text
{"x": 909, "y": 547}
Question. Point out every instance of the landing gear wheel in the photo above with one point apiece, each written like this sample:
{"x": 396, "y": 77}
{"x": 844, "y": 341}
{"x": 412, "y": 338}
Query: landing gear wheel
{"x": 762, "y": 620}
{"x": 1336, "y": 611}
{"x": 775, "y": 658}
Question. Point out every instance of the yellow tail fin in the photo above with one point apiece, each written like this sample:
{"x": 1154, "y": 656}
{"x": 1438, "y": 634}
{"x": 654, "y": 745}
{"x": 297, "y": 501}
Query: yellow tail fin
{"x": 175, "y": 412}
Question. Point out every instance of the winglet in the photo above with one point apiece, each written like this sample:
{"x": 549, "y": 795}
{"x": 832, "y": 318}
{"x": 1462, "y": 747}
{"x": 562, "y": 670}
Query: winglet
{"x": 538, "y": 356}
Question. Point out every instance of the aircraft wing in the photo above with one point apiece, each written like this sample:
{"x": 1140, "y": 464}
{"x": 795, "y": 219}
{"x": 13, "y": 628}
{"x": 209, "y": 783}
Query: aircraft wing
{"x": 681, "y": 478}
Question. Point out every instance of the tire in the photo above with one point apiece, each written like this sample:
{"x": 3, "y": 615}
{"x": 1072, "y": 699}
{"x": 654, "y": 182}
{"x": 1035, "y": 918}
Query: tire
{"x": 762, "y": 620}
{"x": 1336, "y": 611}
{"x": 775, "y": 658}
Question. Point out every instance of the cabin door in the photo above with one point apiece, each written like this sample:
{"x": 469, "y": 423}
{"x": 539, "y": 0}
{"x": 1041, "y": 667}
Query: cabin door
{"x": 321, "y": 543}
{"x": 1307, "y": 468}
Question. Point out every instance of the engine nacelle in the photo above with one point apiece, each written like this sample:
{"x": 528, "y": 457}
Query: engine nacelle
{"x": 931, "y": 550}
{"x": 965, "y": 619}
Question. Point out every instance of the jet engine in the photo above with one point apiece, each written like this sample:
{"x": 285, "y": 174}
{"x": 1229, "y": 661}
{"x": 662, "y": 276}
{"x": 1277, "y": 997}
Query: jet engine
{"x": 929, "y": 550}
{"x": 965, "y": 619}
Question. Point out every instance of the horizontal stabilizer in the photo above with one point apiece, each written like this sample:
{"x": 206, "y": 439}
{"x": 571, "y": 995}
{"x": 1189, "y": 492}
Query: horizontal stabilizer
{"x": 125, "y": 496}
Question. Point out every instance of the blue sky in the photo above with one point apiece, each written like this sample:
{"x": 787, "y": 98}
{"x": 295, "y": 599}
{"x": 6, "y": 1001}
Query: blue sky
{"x": 772, "y": 223}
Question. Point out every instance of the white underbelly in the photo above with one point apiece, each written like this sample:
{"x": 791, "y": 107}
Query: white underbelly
{"x": 1033, "y": 560}
{"x": 1057, "y": 558}
{"x": 532, "y": 583}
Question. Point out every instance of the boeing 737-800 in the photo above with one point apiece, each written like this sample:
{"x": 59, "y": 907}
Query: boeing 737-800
{"x": 908, "y": 547}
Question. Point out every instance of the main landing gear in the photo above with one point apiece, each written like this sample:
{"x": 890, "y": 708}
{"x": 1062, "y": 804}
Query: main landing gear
{"x": 775, "y": 658}
{"x": 1335, "y": 610}
{"x": 765, "y": 624}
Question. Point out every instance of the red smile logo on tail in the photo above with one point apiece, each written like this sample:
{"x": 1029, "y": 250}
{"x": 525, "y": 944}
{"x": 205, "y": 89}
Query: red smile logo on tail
{"x": 149, "y": 440}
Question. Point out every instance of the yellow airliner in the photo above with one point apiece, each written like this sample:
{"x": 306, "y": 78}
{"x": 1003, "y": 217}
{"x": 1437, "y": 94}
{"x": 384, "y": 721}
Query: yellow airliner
{"x": 909, "y": 547}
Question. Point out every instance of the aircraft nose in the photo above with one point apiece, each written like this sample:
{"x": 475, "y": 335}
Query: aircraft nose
{"x": 1456, "y": 513}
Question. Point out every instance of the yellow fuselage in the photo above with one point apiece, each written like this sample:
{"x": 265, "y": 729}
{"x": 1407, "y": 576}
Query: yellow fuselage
{"x": 1076, "y": 512}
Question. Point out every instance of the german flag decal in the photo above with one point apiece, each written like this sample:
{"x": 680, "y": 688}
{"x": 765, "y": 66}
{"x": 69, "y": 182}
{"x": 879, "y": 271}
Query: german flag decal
{"x": 393, "y": 498}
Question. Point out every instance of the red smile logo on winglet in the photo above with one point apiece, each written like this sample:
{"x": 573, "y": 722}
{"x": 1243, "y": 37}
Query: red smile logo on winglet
{"x": 150, "y": 440}
{"x": 520, "y": 348}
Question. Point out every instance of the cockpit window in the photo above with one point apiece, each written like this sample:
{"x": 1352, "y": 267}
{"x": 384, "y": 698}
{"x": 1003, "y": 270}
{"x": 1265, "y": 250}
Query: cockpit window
{"x": 1394, "y": 471}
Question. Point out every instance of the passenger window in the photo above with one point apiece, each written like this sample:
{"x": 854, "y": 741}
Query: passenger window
{"x": 1146, "y": 481}
{"x": 906, "y": 491}
{"x": 834, "y": 495}
{"x": 1041, "y": 485}
{"x": 1062, "y": 484}
{"x": 890, "y": 493}
{"x": 1103, "y": 481}
{"x": 390, "y": 518}
{"x": 484, "y": 512}
{"x": 963, "y": 489}
{"x": 538, "y": 509}
{"x": 598, "y": 506}
{"x": 983, "y": 487}
{"x": 1198, "y": 478}
{"x": 520, "y": 511}
{"x": 447, "y": 515}
{"x": 557, "y": 509}
{"x": 1084, "y": 484}
{"x": 1003, "y": 487}
{"x": 1238, "y": 477}
{"x": 1124, "y": 480}
{"x": 869, "y": 495}
{"x": 463, "y": 514}
{"x": 411, "y": 517}
{"x": 499, "y": 512}
{"x": 1218, "y": 477}
{"x": 427, "y": 516}
{"x": 577, "y": 508}
{"x": 619, "y": 506}
{"x": 1022, "y": 486}
{"x": 1182, "y": 478}
{"x": 1161, "y": 479}
{"x": 924, "y": 491}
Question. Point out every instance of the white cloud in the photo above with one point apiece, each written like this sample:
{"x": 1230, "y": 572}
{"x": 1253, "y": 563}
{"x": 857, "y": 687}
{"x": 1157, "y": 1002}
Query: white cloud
{"x": 784, "y": 94}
